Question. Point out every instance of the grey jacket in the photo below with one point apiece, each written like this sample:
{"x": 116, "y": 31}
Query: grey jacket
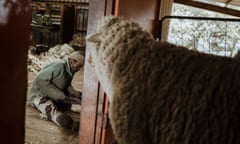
{"x": 53, "y": 81}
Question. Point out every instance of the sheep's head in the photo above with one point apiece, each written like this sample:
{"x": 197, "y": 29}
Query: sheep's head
{"x": 110, "y": 46}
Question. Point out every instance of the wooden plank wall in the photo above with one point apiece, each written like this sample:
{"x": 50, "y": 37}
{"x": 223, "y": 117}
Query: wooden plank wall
{"x": 146, "y": 13}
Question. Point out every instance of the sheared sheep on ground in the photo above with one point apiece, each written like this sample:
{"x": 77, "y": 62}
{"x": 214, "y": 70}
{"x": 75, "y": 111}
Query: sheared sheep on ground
{"x": 164, "y": 94}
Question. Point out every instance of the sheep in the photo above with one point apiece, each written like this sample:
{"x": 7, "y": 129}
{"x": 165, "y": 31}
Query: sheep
{"x": 161, "y": 93}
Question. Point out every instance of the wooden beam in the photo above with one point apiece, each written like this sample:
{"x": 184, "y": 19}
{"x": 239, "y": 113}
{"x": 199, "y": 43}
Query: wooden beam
{"x": 228, "y": 2}
{"x": 210, "y": 7}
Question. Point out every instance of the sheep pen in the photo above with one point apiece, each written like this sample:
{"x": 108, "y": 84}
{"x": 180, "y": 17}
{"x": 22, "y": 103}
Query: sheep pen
{"x": 161, "y": 93}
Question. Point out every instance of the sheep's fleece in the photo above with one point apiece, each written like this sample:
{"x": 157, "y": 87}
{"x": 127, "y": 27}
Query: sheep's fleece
{"x": 164, "y": 94}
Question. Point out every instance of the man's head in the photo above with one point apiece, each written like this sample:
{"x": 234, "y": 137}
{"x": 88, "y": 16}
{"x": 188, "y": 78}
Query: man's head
{"x": 76, "y": 61}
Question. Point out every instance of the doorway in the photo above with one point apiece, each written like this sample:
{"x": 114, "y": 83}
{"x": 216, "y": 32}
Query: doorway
{"x": 57, "y": 29}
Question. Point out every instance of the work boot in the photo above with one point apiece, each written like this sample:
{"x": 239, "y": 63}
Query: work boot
{"x": 75, "y": 126}
{"x": 67, "y": 122}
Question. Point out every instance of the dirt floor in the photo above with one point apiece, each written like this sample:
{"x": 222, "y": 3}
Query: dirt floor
{"x": 40, "y": 131}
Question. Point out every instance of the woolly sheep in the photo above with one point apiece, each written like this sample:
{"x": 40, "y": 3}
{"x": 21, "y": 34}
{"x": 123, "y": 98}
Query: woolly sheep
{"x": 161, "y": 93}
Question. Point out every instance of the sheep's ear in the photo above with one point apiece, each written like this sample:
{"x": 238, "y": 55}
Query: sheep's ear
{"x": 94, "y": 37}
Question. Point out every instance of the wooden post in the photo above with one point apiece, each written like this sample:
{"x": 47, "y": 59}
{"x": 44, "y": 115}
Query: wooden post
{"x": 88, "y": 119}
{"x": 165, "y": 10}
{"x": 14, "y": 36}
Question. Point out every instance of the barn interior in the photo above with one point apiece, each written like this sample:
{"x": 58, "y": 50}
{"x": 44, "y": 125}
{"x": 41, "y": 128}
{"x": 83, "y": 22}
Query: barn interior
{"x": 58, "y": 27}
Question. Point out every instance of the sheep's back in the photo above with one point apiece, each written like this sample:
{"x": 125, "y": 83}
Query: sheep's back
{"x": 186, "y": 98}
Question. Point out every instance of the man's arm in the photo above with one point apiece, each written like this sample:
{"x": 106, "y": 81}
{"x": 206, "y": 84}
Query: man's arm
{"x": 44, "y": 81}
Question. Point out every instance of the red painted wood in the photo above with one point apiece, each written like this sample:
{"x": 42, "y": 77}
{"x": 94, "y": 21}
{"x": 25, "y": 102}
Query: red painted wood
{"x": 88, "y": 121}
{"x": 100, "y": 116}
{"x": 146, "y": 13}
{"x": 14, "y": 35}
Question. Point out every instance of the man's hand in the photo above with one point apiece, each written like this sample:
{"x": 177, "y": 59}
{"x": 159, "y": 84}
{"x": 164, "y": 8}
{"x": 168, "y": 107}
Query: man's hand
{"x": 77, "y": 94}
{"x": 72, "y": 100}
